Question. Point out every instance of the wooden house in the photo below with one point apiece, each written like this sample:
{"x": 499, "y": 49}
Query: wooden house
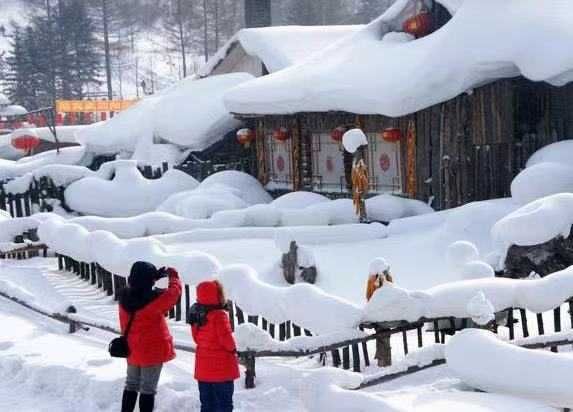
{"x": 446, "y": 143}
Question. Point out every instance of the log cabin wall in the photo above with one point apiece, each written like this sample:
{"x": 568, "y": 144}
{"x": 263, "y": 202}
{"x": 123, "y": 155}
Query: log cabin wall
{"x": 467, "y": 149}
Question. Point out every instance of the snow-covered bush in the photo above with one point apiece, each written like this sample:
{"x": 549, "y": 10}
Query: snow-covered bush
{"x": 127, "y": 194}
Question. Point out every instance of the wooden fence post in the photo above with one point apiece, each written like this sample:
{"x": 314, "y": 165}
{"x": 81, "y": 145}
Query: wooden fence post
{"x": 250, "y": 373}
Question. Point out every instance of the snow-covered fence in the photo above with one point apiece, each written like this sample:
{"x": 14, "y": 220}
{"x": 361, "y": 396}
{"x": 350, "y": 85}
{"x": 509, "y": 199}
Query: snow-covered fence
{"x": 41, "y": 195}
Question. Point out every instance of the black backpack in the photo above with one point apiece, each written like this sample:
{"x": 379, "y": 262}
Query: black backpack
{"x": 197, "y": 315}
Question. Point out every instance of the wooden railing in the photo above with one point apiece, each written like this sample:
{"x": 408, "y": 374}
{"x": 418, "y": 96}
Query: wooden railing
{"x": 350, "y": 354}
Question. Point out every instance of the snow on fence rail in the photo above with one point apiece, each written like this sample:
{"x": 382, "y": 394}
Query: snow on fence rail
{"x": 348, "y": 348}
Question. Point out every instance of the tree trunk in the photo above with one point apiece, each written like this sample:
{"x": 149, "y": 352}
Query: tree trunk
{"x": 181, "y": 38}
{"x": 205, "y": 31}
{"x": 105, "y": 16}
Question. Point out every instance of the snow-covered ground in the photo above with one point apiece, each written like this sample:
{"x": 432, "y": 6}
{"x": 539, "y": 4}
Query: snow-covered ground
{"x": 47, "y": 369}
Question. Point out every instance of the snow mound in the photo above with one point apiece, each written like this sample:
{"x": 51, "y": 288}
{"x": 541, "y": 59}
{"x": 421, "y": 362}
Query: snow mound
{"x": 68, "y": 156}
{"x": 202, "y": 203}
{"x": 353, "y": 139}
{"x": 537, "y": 222}
{"x": 537, "y": 375}
{"x": 480, "y": 309}
{"x": 385, "y": 208}
{"x": 548, "y": 172}
{"x": 247, "y": 187}
{"x": 464, "y": 257}
{"x": 370, "y": 76}
{"x": 378, "y": 266}
{"x": 329, "y": 389}
{"x": 299, "y": 200}
{"x": 127, "y": 194}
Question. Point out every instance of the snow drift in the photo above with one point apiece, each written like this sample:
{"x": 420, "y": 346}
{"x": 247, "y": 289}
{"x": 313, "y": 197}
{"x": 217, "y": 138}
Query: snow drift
{"x": 538, "y": 375}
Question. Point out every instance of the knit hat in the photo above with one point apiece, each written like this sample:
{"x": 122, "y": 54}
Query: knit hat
{"x": 142, "y": 276}
{"x": 378, "y": 266}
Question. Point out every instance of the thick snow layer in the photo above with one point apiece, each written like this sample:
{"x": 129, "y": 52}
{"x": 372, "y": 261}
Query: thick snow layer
{"x": 305, "y": 305}
{"x": 190, "y": 114}
{"x": 386, "y": 208}
{"x": 329, "y": 389}
{"x": 549, "y": 171}
{"x": 250, "y": 337}
{"x": 68, "y": 156}
{"x": 247, "y": 187}
{"x": 298, "y": 200}
{"x": 28, "y": 284}
{"x": 538, "y": 375}
{"x": 117, "y": 255}
{"x": 537, "y": 222}
{"x": 353, "y": 139}
{"x": 127, "y": 194}
{"x": 370, "y": 76}
{"x": 451, "y": 300}
{"x": 280, "y": 47}
{"x": 202, "y": 203}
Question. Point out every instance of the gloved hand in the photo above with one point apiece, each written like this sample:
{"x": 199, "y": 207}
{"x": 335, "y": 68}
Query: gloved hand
{"x": 164, "y": 272}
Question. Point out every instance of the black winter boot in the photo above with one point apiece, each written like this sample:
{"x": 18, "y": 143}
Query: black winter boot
{"x": 146, "y": 402}
{"x": 128, "y": 401}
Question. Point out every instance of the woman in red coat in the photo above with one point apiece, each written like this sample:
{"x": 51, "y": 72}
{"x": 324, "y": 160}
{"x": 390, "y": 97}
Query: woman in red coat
{"x": 216, "y": 363}
{"x": 150, "y": 343}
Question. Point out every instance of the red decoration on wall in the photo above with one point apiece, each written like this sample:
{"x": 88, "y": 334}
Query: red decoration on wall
{"x": 329, "y": 164}
{"x": 103, "y": 116}
{"x": 392, "y": 135}
{"x": 384, "y": 162}
{"x": 245, "y": 136}
{"x": 420, "y": 25}
{"x": 26, "y": 142}
{"x": 281, "y": 163}
{"x": 281, "y": 134}
{"x": 337, "y": 133}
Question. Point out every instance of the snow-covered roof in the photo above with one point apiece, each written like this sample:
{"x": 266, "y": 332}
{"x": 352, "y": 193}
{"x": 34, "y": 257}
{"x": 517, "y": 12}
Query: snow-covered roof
{"x": 13, "y": 110}
{"x": 282, "y": 46}
{"x": 381, "y": 71}
{"x": 189, "y": 114}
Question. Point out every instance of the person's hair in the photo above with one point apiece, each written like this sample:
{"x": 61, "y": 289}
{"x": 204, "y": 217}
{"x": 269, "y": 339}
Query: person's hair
{"x": 221, "y": 290}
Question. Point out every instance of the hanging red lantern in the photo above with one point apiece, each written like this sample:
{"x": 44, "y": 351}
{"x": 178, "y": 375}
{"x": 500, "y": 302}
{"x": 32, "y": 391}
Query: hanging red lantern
{"x": 72, "y": 118}
{"x": 391, "y": 135}
{"x": 245, "y": 136}
{"x": 338, "y": 133}
{"x": 281, "y": 134}
{"x": 420, "y": 25}
{"x": 25, "y": 141}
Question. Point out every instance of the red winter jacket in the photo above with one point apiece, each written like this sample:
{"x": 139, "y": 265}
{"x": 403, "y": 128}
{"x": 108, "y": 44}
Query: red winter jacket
{"x": 216, "y": 359}
{"x": 150, "y": 342}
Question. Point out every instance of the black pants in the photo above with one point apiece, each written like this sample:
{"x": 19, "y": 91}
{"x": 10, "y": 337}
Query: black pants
{"x": 216, "y": 397}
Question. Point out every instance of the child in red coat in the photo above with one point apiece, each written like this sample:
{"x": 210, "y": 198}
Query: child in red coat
{"x": 216, "y": 362}
{"x": 150, "y": 343}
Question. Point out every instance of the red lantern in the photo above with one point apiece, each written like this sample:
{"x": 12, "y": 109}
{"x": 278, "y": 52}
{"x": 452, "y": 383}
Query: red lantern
{"x": 245, "y": 136}
{"x": 281, "y": 134}
{"x": 337, "y": 134}
{"x": 26, "y": 142}
{"x": 420, "y": 25}
{"x": 392, "y": 135}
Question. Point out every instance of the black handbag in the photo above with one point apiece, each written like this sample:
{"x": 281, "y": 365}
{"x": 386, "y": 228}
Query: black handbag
{"x": 118, "y": 347}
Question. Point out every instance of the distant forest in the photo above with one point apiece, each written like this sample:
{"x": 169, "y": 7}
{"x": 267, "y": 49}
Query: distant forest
{"x": 71, "y": 47}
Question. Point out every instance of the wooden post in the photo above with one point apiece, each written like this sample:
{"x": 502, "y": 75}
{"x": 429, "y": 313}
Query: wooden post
{"x": 188, "y": 306}
{"x": 355, "y": 358}
{"x": 420, "y": 338}
{"x": 540, "y": 327}
{"x": 510, "y": 324}
{"x": 178, "y": 309}
{"x": 524, "y": 326}
{"x": 336, "y": 358}
{"x": 346, "y": 358}
{"x": 383, "y": 349}
{"x": 405, "y": 342}
{"x": 290, "y": 263}
{"x": 250, "y": 373}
